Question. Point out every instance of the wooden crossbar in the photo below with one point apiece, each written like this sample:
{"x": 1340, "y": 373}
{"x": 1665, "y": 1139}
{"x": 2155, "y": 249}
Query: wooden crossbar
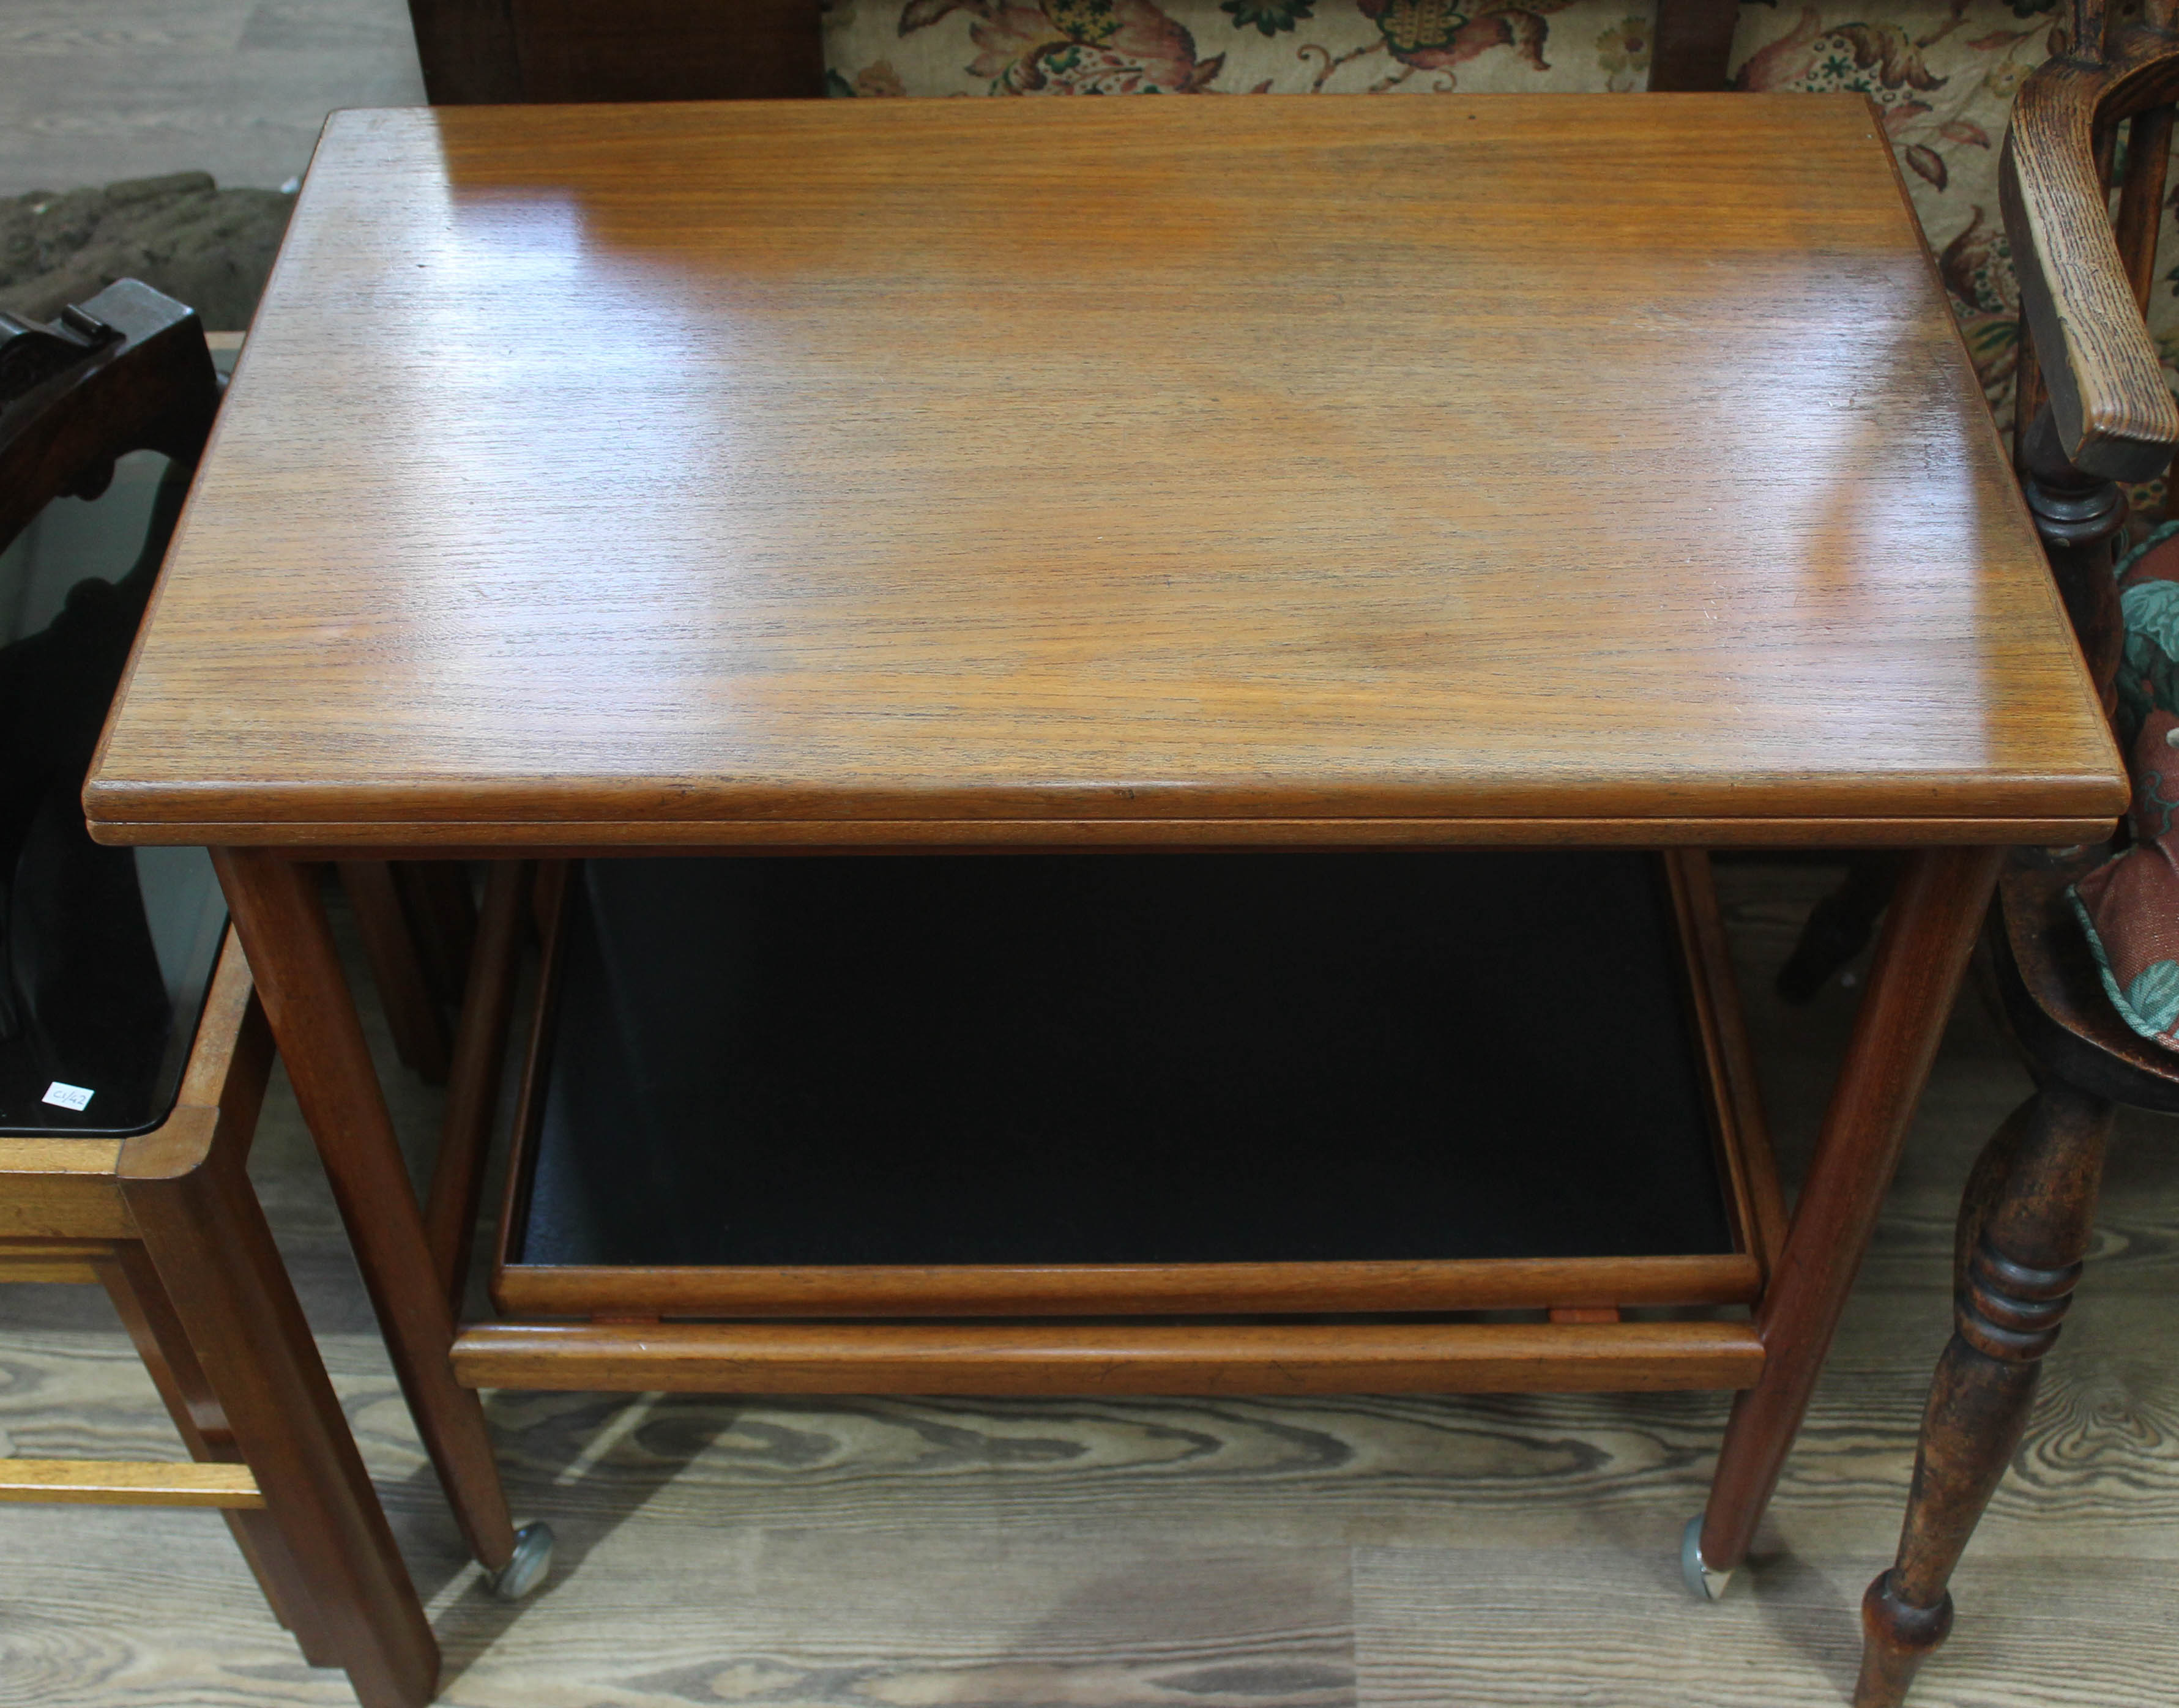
{"x": 128, "y": 1482}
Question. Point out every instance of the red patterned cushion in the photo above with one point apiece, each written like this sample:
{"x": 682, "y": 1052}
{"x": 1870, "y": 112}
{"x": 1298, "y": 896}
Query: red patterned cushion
{"x": 2129, "y": 906}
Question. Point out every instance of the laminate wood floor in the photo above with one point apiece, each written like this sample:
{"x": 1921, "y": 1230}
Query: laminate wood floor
{"x": 93, "y": 90}
{"x": 889, "y": 1553}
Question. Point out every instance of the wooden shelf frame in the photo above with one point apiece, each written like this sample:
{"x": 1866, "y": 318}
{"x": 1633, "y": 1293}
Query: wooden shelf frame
{"x": 895, "y": 1330}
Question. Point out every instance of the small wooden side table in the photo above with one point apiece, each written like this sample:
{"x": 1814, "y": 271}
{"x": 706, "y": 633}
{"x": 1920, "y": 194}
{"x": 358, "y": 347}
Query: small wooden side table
{"x": 1273, "y": 477}
{"x": 166, "y": 1220}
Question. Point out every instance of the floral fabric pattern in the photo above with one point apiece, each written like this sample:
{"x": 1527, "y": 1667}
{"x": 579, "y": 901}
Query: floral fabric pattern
{"x": 1942, "y": 72}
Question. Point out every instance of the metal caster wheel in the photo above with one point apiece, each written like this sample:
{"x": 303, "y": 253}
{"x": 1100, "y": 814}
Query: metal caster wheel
{"x": 532, "y": 1558}
{"x": 1704, "y": 1584}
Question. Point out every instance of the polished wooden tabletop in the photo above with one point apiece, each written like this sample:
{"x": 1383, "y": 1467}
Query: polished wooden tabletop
{"x": 1302, "y": 470}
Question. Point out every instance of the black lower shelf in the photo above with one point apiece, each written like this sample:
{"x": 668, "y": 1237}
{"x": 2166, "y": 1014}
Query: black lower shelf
{"x": 1287, "y": 1057}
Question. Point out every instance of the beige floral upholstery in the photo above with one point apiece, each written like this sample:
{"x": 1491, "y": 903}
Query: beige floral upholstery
{"x": 1943, "y": 71}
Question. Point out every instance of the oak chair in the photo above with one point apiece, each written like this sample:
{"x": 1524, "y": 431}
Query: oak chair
{"x": 112, "y": 972}
{"x": 2092, "y": 392}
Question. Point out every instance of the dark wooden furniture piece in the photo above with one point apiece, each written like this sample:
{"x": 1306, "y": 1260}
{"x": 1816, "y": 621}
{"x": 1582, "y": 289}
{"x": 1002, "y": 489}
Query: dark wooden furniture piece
{"x": 489, "y": 51}
{"x": 482, "y": 50}
{"x": 1692, "y": 44}
{"x": 828, "y": 493}
{"x": 2101, "y": 413}
{"x": 133, "y": 1054}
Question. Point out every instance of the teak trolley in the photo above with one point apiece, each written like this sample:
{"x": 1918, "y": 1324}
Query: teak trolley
{"x": 789, "y": 482}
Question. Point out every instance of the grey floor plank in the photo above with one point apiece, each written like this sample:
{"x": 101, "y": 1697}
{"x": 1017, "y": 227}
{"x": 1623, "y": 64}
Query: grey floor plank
{"x": 95, "y": 90}
{"x": 1458, "y": 1627}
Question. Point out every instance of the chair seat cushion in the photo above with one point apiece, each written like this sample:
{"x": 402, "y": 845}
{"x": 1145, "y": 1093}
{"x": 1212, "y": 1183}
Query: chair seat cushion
{"x": 2129, "y": 906}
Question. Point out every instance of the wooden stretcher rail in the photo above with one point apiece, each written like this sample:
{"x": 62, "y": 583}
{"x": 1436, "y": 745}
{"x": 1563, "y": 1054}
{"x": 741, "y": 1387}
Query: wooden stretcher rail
{"x": 73, "y": 1261}
{"x": 1500, "y": 1283}
{"x": 128, "y": 1483}
{"x": 1074, "y": 1357}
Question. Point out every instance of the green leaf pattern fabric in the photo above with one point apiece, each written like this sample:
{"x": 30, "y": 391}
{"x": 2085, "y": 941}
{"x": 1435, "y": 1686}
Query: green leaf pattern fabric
{"x": 2129, "y": 906}
{"x": 2153, "y": 998}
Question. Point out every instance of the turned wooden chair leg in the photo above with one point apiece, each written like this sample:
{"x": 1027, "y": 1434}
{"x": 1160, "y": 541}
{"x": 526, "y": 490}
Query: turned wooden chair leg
{"x": 1986, "y": 1185}
{"x": 2019, "y": 1281}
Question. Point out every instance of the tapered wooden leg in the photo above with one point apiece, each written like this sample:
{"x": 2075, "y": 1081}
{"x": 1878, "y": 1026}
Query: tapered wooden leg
{"x": 2019, "y": 1284}
{"x": 1839, "y": 925}
{"x": 1938, "y": 909}
{"x": 441, "y": 912}
{"x": 413, "y": 1014}
{"x": 205, "y": 1237}
{"x": 450, "y": 1207}
{"x": 281, "y": 921}
{"x": 140, "y": 1299}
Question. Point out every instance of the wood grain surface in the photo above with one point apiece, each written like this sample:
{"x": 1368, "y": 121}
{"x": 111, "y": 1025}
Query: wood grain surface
{"x": 127, "y": 1483}
{"x": 52, "y": 1260}
{"x": 65, "y": 1203}
{"x": 2115, "y": 416}
{"x": 1110, "y": 1358}
{"x": 1483, "y": 1550}
{"x": 812, "y": 473}
{"x": 1498, "y": 1283}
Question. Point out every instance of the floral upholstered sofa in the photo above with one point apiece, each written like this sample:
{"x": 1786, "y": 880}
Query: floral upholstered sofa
{"x": 1943, "y": 71}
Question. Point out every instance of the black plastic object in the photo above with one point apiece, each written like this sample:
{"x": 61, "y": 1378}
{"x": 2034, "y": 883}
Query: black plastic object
{"x": 105, "y": 953}
{"x": 1121, "y": 1059}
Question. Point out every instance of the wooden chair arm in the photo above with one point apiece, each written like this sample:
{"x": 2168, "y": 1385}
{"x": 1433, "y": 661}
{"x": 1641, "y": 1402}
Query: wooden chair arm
{"x": 2114, "y": 413}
